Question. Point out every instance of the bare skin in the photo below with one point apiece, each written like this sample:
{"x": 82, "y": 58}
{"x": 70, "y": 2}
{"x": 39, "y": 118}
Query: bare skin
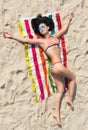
{"x": 59, "y": 71}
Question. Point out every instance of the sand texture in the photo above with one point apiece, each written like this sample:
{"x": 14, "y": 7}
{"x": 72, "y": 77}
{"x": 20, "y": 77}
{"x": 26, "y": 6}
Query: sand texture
{"x": 17, "y": 108}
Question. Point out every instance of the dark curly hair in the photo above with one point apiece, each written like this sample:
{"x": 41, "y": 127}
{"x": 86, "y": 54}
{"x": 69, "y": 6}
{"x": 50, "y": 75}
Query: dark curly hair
{"x": 35, "y": 22}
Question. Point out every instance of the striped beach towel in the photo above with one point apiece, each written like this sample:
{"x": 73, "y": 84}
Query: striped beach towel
{"x": 38, "y": 63}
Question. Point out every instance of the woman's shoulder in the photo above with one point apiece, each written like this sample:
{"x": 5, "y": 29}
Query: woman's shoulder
{"x": 54, "y": 35}
{"x": 40, "y": 40}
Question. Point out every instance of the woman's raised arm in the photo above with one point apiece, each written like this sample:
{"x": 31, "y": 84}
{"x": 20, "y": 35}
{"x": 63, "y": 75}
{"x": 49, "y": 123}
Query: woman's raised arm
{"x": 66, "y": 25}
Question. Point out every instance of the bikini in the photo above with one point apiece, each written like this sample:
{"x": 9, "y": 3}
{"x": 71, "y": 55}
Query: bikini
{"x": 50, "y": 44}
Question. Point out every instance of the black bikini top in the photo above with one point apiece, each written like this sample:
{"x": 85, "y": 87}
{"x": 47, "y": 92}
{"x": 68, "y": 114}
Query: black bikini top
{"x": 50, "y": 44}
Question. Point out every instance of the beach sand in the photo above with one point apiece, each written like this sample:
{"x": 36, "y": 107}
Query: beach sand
{"x": 17, "y": 108}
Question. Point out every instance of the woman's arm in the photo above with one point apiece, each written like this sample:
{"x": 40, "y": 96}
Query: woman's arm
{"x": 21, "y": 39}
{"x": 65, "y": 26}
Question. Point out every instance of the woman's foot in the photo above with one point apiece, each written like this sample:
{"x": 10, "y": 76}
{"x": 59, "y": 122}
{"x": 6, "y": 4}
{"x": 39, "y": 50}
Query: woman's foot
{"x": 70, "y": 103}
{"x": 56, "y": 117}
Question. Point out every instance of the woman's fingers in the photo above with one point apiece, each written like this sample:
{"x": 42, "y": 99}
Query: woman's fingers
{"x": 6, "y": 35}
{"x": 71, "y": 15}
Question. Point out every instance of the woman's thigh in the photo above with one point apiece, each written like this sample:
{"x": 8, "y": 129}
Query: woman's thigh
{"x": 60, "y": 70}
{"x": 59, "y": 81}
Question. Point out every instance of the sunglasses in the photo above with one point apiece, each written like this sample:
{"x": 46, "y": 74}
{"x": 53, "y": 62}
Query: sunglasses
{"x": 42, "y": 27}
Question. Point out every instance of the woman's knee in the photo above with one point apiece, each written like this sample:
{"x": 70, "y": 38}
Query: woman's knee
{"x": 61, "y": 91}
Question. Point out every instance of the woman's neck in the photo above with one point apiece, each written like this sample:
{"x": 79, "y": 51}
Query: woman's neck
{"x": 47, "y": 35}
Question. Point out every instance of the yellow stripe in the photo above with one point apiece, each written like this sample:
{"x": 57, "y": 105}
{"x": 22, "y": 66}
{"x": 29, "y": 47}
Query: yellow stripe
{"x": 28, "y": 61}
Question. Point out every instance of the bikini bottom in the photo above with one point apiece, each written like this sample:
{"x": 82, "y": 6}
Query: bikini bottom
{"x": 52, "y": 65}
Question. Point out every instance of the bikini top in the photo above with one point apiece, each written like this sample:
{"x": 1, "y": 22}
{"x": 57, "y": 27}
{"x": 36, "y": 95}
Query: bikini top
{"x": 50, "y": 44}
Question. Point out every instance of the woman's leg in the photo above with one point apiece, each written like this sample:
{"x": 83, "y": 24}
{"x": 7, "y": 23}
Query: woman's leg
{"x": 58, "y": 98}
{"x": 60, "y": 70}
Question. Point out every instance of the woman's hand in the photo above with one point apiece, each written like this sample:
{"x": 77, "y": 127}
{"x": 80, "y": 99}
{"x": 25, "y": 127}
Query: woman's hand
{"x": 70, "y": 16}
{"x": 7, "y": 35}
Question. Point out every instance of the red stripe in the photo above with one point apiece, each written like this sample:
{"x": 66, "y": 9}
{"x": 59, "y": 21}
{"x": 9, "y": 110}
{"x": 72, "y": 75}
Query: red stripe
{"x": 63, "y": 45}
{"x": 62, "y": 39}
{"x": 35, "y": 61}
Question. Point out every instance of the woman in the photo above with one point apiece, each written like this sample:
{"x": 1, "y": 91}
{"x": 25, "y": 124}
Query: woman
{"x": 49, "y": 43}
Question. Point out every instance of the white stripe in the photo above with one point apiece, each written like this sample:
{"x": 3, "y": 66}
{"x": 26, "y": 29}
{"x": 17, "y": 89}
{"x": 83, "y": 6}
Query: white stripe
{"x": 31, "y": 62}
{"x": 61, "y": 50}
{"x": 40, "y": 65}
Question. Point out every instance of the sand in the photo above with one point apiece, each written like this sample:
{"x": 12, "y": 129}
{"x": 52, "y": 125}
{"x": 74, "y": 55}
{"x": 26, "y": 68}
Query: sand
{"x": 17, "y": 108}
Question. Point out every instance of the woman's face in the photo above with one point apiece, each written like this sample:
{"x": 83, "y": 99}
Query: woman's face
{"x": 43, "y": 28}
